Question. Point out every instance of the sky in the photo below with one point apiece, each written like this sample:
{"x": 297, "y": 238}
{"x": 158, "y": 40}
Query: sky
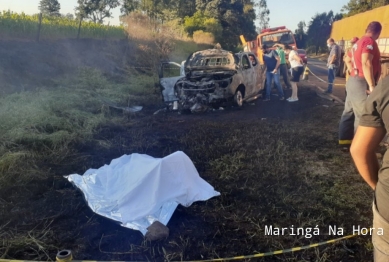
{"x": 282, "y": 12}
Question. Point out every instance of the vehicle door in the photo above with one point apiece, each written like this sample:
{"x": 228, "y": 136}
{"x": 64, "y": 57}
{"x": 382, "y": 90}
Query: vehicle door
{"x": 249, "y": 75}
{"x": 259, "y": 72}
{"x": 169, "y": 73}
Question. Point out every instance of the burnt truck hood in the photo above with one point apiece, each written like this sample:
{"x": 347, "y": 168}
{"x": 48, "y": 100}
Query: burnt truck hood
{"x": 209, "y": 61}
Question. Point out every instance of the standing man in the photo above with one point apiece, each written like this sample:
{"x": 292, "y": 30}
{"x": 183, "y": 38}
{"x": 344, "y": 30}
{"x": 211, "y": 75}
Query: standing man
{"x": 364, "y": 60}
{"x": 373, "y": 126}
{"x": 283, "y": 67}
{"x": 272, "y": 62}
{"x": 333, "y": 63}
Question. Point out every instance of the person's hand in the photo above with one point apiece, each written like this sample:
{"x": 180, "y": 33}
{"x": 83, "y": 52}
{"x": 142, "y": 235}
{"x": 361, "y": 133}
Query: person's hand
{"x": 274, "y": 71}
{"x": 371, "y": 88}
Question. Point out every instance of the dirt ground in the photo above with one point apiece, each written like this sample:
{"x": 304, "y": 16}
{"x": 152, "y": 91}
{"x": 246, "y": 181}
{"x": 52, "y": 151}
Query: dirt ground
{"x": 275, "y": 164}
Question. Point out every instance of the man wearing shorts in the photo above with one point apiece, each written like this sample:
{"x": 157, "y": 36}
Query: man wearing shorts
{"x": 365, "y": 73}
{"x": 373, "y": 126}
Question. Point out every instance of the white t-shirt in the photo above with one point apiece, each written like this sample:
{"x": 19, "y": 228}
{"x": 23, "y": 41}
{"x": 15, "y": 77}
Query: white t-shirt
{"x": 293, "y": 62}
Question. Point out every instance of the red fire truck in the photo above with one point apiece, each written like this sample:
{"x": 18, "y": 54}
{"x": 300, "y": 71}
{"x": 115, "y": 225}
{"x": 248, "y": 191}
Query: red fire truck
{"x": 269, "y": 36}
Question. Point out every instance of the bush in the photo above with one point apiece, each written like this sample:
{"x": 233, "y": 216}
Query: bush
{"x": 201, "y": 37}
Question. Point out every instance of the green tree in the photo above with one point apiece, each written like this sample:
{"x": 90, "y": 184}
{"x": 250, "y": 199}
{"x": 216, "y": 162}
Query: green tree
{"x": 236, "y": 17}
{"x": 50, "y": 7}
{"x": 96, "y": 10}
{"x": 225, "y": 19}
{"x": 69, "y": 16}
{"x": 194, "y": 23}
{"x": 300, "y": 35}
{"x": 263, "y": 15}
{"x": 184, "y": 7}
{"x": 212, "y": 25}
{"x": 319, "y": 30}
{"x": 129, "y": 6}
{"x": 354, "y": 7}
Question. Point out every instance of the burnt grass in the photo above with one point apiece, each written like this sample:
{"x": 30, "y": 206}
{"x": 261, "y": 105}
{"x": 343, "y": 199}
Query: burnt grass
{"x": 275, "y": 164}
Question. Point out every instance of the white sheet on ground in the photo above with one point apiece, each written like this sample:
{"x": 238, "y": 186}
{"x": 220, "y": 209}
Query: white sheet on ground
{"x": 137, "y": 189}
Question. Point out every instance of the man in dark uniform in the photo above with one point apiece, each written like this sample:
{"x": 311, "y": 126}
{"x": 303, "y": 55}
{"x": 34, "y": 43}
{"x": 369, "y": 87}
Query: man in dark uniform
{"x": 373, "y": 126}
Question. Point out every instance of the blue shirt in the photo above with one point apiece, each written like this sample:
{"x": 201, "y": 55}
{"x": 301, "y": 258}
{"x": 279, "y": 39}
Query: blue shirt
{"x": 335, "y": 51}
{"x": 270, "y": 60}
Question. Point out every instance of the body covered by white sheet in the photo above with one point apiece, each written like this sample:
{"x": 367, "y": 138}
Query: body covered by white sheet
{"x": 137, "y": 189}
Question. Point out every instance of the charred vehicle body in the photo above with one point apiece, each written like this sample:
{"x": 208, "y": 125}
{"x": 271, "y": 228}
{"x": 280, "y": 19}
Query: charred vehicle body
{"x": 211, "y": 77}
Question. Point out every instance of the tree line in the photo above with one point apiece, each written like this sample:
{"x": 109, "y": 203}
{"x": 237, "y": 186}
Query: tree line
{"x": 224, "y": 19}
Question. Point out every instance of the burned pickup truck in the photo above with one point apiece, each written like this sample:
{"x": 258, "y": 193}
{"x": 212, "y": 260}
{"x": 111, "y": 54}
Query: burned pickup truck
{"x": 211, "y": 77}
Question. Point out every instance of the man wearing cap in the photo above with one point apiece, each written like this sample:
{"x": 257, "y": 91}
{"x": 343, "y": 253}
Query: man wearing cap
{"x": 364, "y": 61}
{"x": 272, "y": 63}
{"x": 333, "y": 63}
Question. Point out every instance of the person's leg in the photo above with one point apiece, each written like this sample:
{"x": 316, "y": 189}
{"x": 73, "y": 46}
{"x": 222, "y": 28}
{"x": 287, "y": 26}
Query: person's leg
{"x": 284, "y": 74}
{"x": 346, "y": 125}
{"x": 380, "y": 256}
{"x": 331, "y": 78}
{"x": 380, "y": 240}
{"x": 296, "y": 75}
{"x": 269, "y": 78}
{"x": 294, "y": 90}
{"x": 357, "y": 93}
{"x": 278, "y": 85}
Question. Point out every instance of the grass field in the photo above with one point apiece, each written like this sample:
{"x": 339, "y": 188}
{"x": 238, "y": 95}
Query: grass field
{"x": 22, "y": 26}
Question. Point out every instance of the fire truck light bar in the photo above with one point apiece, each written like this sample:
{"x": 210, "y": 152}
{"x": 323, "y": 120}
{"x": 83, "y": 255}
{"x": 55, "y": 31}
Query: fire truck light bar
{"x": 272, "y": 29}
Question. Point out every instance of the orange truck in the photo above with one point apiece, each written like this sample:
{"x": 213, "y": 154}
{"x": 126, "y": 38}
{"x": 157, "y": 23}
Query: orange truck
{"x": 269, "y": 36}
{"x": 345, "y": 29}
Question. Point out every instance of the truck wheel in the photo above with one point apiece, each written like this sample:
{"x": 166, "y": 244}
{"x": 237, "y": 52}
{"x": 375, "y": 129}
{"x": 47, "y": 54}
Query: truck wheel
{"x": 238, "y": 98}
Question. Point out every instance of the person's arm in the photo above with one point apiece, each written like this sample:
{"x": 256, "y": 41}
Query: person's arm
{"x": 296, "y": 57}
{"x": 367, "y": 67}
{"x": 332, "y": 59}
{"x": 279, "y": 45}
{"x": 347, "y": 60}
{"x": 334, "y": 56}
{"x": 362, "y": 150}
{"x": 278, "y": 63}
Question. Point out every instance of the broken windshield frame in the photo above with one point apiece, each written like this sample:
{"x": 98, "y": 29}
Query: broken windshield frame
{"x": 210, "y": 61}
{"x": 283, "y": 38}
